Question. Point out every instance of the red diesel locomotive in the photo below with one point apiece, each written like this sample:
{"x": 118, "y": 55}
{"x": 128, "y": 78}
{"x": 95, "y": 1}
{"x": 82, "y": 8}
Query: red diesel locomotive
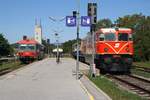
{"x": 113, "y": 49}
{"x": 30, "y": 50}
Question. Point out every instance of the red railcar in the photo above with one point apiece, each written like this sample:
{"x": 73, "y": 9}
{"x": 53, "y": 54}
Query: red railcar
{"x": 30, "y": 50}
{"x": 113, "y": 49}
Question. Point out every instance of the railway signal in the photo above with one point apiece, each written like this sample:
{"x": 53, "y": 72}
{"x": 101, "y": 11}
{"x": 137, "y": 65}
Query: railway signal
{"x": 92, "y": 12}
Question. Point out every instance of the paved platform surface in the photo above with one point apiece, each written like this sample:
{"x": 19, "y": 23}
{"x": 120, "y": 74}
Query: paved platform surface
{"x": 43, "y": 80}
{"x": 94, "y": 91}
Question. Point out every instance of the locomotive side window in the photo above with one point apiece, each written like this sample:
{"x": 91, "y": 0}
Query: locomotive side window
{"x": 110, "y": 37}
{"x": 123, "y": 37}
{"x": 130, "y": 37}
{"x": 101, "y": 37}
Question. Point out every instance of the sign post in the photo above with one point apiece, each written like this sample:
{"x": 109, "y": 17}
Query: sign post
{"x": 85, "y": 21}
{"x": 72, "y": 21}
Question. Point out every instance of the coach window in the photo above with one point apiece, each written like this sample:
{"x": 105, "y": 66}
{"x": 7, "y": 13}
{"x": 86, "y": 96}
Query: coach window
{"x": 101, "y": 37}
{"x": 123, "y": 36}
{"x": 110, "y": 36}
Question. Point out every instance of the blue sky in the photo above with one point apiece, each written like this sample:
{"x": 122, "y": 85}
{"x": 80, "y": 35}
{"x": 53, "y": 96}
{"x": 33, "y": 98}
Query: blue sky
{"x": 17, "y": 17}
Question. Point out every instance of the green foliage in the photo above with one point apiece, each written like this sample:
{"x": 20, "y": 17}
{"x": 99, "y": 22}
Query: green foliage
{"x": 67, "y": 46}
{"x": 48, "y": 46}
{"x": 104, "y": 23}
{"x": 5, "y": 48}
{"x": 141, "y": 28}
{"x": 129, "y": 21}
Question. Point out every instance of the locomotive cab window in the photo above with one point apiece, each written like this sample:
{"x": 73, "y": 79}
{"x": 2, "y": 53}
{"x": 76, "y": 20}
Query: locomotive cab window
{"x": 123, "y": 36}
{"x": 101, "y": 37}
{"x": 110, "y": 36}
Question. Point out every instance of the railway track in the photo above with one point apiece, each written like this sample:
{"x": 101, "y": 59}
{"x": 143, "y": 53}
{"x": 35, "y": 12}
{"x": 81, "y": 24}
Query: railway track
{"x": 136, "y": 84}
{"x": 142, "y": 68}
{"x": 4, "y": 71}
{"x": 8, "y": 68}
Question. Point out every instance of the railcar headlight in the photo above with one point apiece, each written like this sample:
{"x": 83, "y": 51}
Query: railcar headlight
{"x": 105, "y": 49}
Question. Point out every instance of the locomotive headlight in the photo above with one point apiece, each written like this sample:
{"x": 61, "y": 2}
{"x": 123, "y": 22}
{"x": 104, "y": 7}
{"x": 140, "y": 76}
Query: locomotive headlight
{"x": 128, "y": 60}
{"x": 107, "y": 60}
{"x": 105, "y": 49}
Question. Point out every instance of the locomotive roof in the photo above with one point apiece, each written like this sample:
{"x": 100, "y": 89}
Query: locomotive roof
{"x": 27, "y": 42}
{"x": 106, "y": 30}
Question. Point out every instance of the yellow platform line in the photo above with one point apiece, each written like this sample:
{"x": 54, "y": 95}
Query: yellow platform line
{"x": 86, "y": 91}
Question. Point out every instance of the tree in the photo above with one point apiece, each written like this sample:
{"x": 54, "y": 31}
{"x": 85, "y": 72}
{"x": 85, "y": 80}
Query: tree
{"x": 130, "y": 21}
{"x": 67, "y": 46}
{"x": 104, "y": 23}
{"x": 5, "y": 48}
{"x": 142, "y": 38}
{"x": 141, "y": 29}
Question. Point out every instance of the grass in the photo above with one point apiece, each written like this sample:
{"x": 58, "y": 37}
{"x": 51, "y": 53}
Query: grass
{"x": 113, "y": 90}
{"x": 142, "y": 64}
{"x": 11, "y": 65}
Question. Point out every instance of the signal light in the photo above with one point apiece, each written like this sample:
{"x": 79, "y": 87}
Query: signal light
{"x": 95, "y": 19}
{"x": 74, "y": 13}
{"x": 92, "y": 11}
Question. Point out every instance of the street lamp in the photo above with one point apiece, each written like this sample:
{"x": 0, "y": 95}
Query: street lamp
{"x": 56, "y": 34}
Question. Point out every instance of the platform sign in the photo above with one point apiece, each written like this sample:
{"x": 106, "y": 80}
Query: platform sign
{"x": 85, "y": 21}
{"x": 70, "y": 21}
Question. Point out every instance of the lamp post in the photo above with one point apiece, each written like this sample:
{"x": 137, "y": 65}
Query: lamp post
{"x": 57, "y": 43}
{"x": 56, "y": 34}
{"x": 78, "y": 21}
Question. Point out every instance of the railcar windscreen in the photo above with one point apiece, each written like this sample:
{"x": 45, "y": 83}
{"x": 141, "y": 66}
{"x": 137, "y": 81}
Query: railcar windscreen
{"x": 27, "y": 47}
{"x": 123, "y": 37}
{"x": 110, "y": 36}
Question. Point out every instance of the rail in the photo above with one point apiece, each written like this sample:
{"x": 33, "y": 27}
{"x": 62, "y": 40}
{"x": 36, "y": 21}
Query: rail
{"x": 7, "y": 59}
{"x": 142, "y": 68}
{"x": 133, "y": 83}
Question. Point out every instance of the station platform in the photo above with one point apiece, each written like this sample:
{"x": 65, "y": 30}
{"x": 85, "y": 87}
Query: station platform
{"x": 47, "y": 80}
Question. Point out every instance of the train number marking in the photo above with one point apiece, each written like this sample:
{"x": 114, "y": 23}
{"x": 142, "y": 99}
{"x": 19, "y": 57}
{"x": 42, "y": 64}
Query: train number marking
{"x": 117, "y": 45}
